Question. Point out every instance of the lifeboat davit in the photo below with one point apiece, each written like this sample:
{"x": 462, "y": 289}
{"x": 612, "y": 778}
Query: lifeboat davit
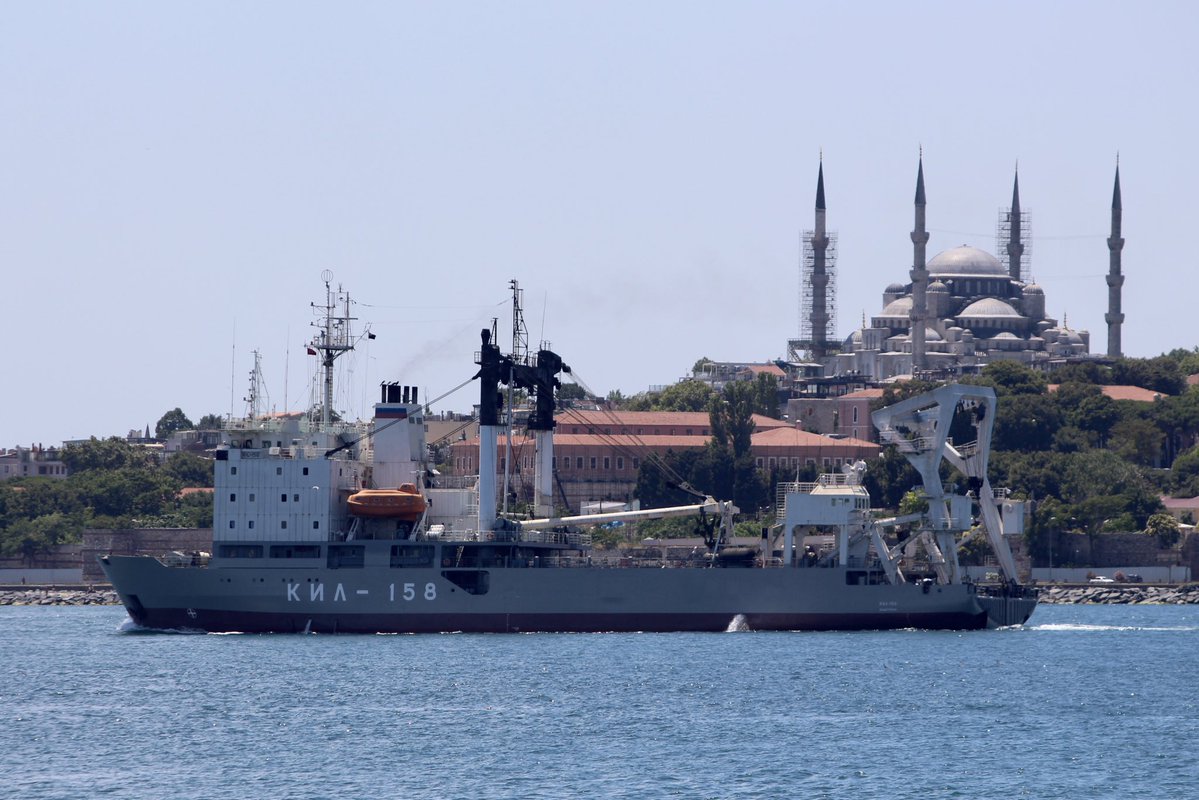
{"x": 406, "y": 503}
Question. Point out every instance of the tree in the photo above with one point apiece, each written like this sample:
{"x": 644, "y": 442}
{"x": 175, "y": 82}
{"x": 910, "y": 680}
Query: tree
{"x": 571, "y": 391}
{"x": 1009, "y": 378}
{"x": 189, "y": 469}
{"x": 104, "y": 454}
{"x": 889, "y": 477}
{"x": 686, "y": 395}
{"x": 210, "y": 422}
{"x": 1164, "y": 527}
{"x": 1025, "y": 422}
{"x": 173, "y": 420}
{"x": 766, "y": 395}
{"x": 1137, "y": 440}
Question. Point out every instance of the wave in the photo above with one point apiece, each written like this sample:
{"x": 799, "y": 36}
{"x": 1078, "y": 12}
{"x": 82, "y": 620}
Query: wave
{"x": 1077, "y": 626}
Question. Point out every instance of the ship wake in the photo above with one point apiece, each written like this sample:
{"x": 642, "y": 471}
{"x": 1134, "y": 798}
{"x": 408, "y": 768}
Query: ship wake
{"x": 738, "y": 624}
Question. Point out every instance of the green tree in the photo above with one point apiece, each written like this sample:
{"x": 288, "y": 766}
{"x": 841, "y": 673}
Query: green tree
{"x": 889, "y": 477}
{"x": 173, "y": 420}
{"x": 1025, "y": 422}
{"x": 105, "y": 454}
{"x": 1137, "y": 440}
{"x": 571, "y": 391}
{"x": 189, "y": 469}
{"x": 766, "y": 395}
{"x": 1165, "y": 528}
{"x": 210, "y": 422}
{"x": 1009, "y": 378}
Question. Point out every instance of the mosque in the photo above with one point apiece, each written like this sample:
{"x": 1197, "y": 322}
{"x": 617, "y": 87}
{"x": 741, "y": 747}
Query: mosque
{"x": 959, "y": 310}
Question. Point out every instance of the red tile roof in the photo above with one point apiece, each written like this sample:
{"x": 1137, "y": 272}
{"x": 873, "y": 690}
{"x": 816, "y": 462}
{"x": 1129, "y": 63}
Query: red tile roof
{"x": 871, "y": 393}
{"x": 1134, "y": 393}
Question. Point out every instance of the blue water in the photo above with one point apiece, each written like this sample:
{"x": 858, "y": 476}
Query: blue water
{"x": 1085, "y": 702}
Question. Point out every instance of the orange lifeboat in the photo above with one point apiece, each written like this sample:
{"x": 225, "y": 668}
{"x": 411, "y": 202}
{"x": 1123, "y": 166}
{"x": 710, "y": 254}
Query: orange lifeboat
{"x": 406, "y": 503}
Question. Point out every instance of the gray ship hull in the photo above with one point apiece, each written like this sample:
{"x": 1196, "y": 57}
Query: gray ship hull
{"x": 517, "y": 600}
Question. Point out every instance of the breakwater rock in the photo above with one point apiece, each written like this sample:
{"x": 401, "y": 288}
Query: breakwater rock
{"x": 57, "y": 596}
{"x": 1122, "y": 594}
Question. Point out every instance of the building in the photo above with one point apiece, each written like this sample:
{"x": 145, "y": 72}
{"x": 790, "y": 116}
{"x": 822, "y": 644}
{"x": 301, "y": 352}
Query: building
{"x": 597, "y": 454}
{"x": 956, "y": 311}
{"x": 31, "y": 462}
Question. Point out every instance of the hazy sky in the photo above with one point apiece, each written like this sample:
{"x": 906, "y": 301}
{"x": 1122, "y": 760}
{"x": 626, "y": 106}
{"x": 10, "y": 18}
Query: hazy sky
{"x": 174, "y": 177}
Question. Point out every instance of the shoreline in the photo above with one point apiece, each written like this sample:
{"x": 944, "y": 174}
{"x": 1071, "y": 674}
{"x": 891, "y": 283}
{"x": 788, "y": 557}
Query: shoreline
{"x": 1105, "y": 594}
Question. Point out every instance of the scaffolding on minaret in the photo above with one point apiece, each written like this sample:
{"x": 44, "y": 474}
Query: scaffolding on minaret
{"x": 1003, "y": 236}
{"x": 814, "y": 343}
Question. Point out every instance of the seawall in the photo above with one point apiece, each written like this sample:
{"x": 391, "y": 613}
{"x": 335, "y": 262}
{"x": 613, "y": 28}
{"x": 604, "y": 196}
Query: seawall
{"x": 1124, "y": 594}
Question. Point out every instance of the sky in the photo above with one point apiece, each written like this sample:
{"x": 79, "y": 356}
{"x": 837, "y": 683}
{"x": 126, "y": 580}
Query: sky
{"x": 176, "y": 177}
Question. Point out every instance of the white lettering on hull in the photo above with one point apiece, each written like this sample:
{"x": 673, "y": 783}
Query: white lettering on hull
{"x": 316, "y": 592}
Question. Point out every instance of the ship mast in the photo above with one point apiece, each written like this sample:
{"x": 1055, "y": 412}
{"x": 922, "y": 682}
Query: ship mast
{"x": 332, "y": 339}
{"x": 254, "y": 400}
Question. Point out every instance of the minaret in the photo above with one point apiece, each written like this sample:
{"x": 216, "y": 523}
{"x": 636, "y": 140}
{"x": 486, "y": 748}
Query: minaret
{"x": 919, "y": 274}
{"x": 819, "y": 241}
{"x": 1115, "y": 280}
{"x": 1015, "y": 247}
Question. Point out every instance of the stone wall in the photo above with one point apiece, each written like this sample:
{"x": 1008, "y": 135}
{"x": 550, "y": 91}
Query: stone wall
{"x": 1117, "y": 550}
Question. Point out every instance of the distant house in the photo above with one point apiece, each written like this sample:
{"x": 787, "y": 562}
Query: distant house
{"x": 35, "y": 461}
{"x": 1183, "y": 509}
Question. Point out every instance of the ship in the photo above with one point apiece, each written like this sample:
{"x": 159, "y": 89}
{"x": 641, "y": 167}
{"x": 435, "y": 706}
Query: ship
{"x": 327, "y": 526}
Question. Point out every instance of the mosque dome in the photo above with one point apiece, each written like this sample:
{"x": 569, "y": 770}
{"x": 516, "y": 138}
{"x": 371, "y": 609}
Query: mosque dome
{"x": 966, "y": 260}
{"x": 989, "y": 307}
{"x": 937, "y": 286}
{"x": 896, "y": 288}
{"x": 1033, "y": 288}
{"x": 899, "y": 308}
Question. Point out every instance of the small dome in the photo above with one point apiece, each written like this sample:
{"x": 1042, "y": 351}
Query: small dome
{"x": 898, "y": 308}
{"x": 896, "y": 288}
{"x": 1005, "y": 336}
{"x": 1033, "y": 288}
{"x": 988, "y": 307}
{"x": 937, "y": 286}
{"x": 965, "y": 260}
{"x": 853, "y": 338}
{"x": 931, "y": 335}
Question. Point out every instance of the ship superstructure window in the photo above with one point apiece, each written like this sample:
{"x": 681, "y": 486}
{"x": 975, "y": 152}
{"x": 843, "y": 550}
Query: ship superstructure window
{"x": 278, "y": 470}
{"x": 232, "y": 523}
{"x": 232, "y": 470}
{"x": 295, "y": 498}
{"x": 316, "y": 524}
{"x": 283, "y": 497}
{"x": 283, "y": 524}
{"x": 251, "y": 524}
{"x": 251, "y": 497}
{"x": 345, "y": 555}
{"x": 305, "y": 470}
{"x": 240, "y": 551}
{"x": 295, "y": 551}
{"x": 412, "y": 555}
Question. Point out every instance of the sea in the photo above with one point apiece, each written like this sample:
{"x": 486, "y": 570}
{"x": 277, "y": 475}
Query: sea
{"x": 1082, "y": 702}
